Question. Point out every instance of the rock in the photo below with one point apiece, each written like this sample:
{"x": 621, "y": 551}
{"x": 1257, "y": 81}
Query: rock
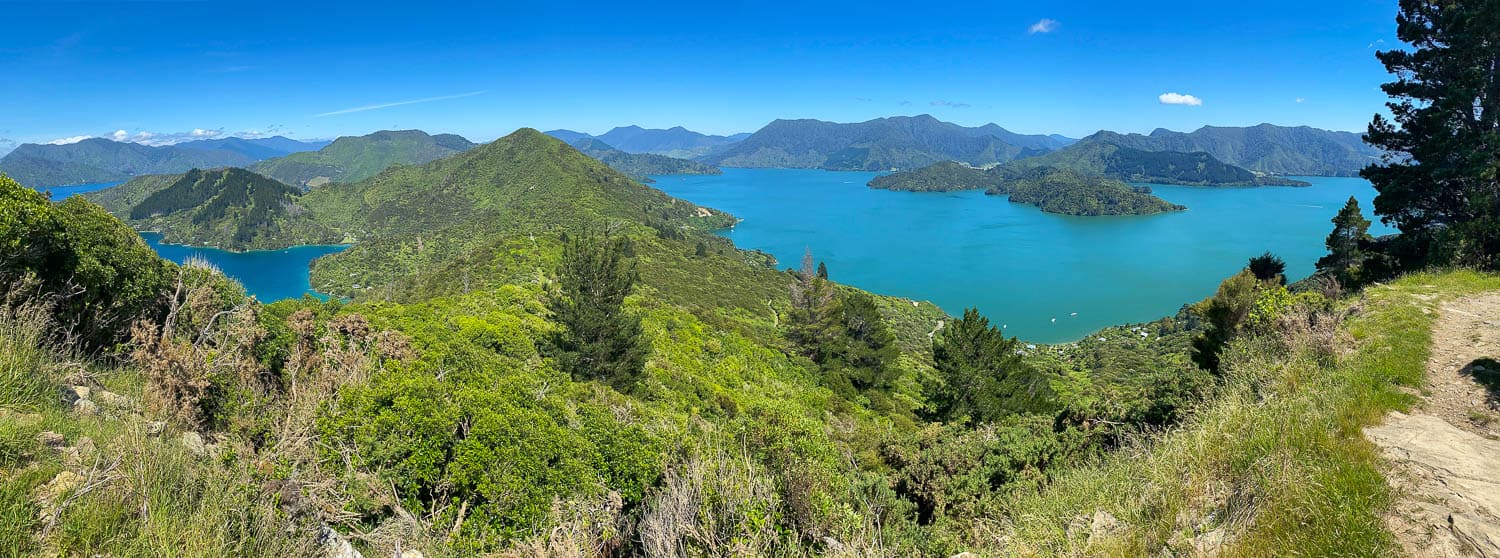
{"x": 51, "y": 439}
{"x": 194, "y": 443}
{"x": 411, "y": 554}
{"x": 155, "y": 428}
{"x": 49, "y": 495}
{"x": 1209, "y": 543}
{"x": 113, "y": 400}
{"x": 832, "y": 544}
{"x": 335, "y": 545}
{"x": 1103, "y": 525}
{"x": 85, "y": 408}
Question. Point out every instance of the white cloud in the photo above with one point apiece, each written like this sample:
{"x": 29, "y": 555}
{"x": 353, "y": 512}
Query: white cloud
{"x": 399, "y": 103}
{"x": 1301, "y": 100}
{"x": 201, "y": 133}
{"x": 1180, "y": 99}
{"x": 120, "y": 135}
{"x": 1044, "y": 26}
{"x": 66, "y": 141}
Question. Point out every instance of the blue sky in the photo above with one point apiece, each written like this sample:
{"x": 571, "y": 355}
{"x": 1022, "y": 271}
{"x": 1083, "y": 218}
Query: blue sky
{"x": 159, "y": 71}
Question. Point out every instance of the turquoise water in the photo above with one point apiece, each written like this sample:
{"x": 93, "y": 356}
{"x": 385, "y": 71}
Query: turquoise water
{"x": 270, "y": 275}
{"x": 1023, "y": 268}
{"x": 60, "y": 193}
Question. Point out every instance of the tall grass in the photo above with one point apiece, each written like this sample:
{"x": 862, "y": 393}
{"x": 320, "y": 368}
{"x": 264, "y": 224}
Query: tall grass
{"x": 27, "y": 366}
{"x": 1276, "y": 462}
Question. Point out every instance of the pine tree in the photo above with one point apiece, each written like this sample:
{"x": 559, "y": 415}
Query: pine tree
{"x": 822, "y": 270}
{"x": 599, "y": 340}
{"x": 864, "y": 352}
{"x": 984, "y": 377}
{"x": 1346, "y": 256}
{"x": 1439, "y": 186}
{"x": 1268, "y": 267}
{"x": 812, "y": 322}
{"x": 701, "y": 251}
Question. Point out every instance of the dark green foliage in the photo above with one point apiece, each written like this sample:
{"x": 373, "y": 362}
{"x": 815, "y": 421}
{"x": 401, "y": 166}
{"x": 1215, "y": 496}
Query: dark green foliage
{"x": 599, "y": 339}
{"x": 1156, "y": 167}
{"x": 99, "y": 273}
{"x": 943, "y": 176}
{"x": 901, "y": 142}
{"x": 351, "y": 159}
{"x": 701, "y": 250}
{"x": 983, "y": 375}
{"x": 952, "y": 471}
{"x": 1268, "y": 267}
{"x": 822, "y": 270}
{"x": 1071, "y": 193}
{"x": 640, "y": 165}
{"x": 1346, "y": 245}
{"x": 233, "y": 209}
{"x": 813, "y": 321}
{"x": 1441, "y": 187}
{"x": 864, "y": 352}
{"x": 101, "y": 160}
{"x": 1269, "y": 149}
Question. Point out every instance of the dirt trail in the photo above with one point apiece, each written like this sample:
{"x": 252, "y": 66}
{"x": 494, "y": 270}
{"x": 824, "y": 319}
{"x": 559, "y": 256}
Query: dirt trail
{"x": 1445, "y": 456}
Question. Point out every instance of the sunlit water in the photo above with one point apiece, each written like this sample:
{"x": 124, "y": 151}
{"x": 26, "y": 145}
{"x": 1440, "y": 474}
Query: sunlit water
{"x": 1027, "y": 270}
{"x": 270, "y": 275}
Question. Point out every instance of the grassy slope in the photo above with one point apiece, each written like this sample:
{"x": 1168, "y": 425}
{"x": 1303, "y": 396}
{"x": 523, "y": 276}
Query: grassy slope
{"x": 1277, "y": 460}
{"x": 351, "y": 159}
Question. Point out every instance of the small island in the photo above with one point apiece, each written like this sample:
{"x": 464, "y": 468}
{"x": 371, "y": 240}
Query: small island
{"x": 1067, "y": 192}
{"x": 1054, "y": 190}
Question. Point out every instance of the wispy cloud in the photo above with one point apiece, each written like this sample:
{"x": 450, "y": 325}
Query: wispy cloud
{"x": 6, "y": 146}
{"x": 399, "y": 103}
{"x": 1301, "y": 100}
{"x": 951, "y": 104}
{"x": 1180, "y": 99}
{"x": 904, "y": 103}
{"x": 1044, "y": 26}
{"x": 157, "y": 139}
{"x": 1377, "y": 43}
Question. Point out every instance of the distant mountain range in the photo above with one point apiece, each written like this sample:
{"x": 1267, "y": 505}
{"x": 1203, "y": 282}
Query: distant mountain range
{"x": 1155, "y": 167}
{"x": 351, "y": 159}
{"x": 257, "y": 149}
{"x": 899, "y": 142}
{"x": 676, "y": 142}
{"x": 102, "y": 160}
{"x": 1295, "y": 151}
{"x": 640, "y": 165}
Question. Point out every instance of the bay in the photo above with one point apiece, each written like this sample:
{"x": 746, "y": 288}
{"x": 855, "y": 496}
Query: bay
{"x": 269, "y": 275}
{"x": 1045, "y": 278}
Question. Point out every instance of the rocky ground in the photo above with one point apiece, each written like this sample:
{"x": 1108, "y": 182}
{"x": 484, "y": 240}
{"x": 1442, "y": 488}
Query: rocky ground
{"x": 1445, "y": 455}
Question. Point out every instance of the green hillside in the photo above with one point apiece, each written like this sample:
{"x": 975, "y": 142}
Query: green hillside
{"x": 233, "y": 209}
{"x": 1266, "y": 148}
{"x": 351, "y": 159}
{"x": 900, "y": 142}
{"x": 1154, "y": 167}
{"x": 943, "y": 176}
{"x": 1068, "y": 192}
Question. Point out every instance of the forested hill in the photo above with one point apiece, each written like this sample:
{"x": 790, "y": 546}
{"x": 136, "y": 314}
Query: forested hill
{"x": 100, "y": 160}
{"x": 942, "y": 176}
{"x": 351, "y": 159}
{"x": 1068, "y": 192}
{"x": 640, "y": 165}
{"x": 257, "y": 149}
{"x": 232, "y": 208}
{"x": 1155, "y": 167}
{"x": 901, "y": 142}
{"x": 1270, "y": 149}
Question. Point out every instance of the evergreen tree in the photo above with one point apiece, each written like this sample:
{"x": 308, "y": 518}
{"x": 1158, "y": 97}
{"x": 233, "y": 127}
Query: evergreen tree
{"x": 1346, "y": 256}
{"x": 864, "y": 352}
{"x": 599, "y": 340}
{"x": 822, "y": 270}
{"x": 1439, "y": 186}
{"x": 701, "y": 251}
{"x": 984, "y": 377}
{"x": 1268, "y": 267}
{"x": 813, "y": 320}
